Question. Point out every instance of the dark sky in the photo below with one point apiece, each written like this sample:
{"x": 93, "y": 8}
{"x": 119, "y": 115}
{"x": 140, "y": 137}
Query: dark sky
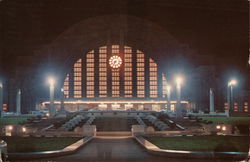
{"x": 216, "y": 29}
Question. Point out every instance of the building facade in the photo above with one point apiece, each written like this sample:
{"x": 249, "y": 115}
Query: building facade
{"x": 115, "y": 77}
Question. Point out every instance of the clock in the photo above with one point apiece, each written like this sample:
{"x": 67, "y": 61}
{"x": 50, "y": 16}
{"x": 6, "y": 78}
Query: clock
{"x": 115, "y": 61}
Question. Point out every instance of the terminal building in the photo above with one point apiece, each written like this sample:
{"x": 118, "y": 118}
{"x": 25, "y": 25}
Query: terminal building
{"x": 115, "y": 77}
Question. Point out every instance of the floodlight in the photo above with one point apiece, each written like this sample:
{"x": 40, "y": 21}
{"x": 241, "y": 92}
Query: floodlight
{"x": 232, "y": 82}
{"x": 179, "y": 80}
{"x": 51, "y": 81}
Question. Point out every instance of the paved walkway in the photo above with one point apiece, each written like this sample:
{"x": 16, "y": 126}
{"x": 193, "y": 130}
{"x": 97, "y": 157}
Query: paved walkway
{"x": 115, "y": 149}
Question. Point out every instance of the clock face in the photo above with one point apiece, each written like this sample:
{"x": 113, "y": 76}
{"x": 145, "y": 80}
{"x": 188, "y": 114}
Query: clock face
{"x": 115, "y": 61}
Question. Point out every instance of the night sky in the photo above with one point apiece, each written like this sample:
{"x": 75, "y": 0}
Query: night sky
{"x": 215, "y": 28}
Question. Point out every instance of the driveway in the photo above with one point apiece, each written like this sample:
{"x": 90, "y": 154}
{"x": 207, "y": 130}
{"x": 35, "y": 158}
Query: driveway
{"x": 116, "y": 149}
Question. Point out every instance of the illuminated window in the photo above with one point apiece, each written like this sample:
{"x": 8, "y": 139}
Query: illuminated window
{"x": 140, "y": 67}
{"x": 115, "y": 75}
{"x": 225, "y": 106}
{"x": 103, "y": 71}
{"x": 153, "y": 88}
{"x": 78, "y": 79}
{"x": 90, "y": 80}
{"x": 115, "y": 49}
{"x": 66, "y": 86}
{"x": 127, "y": 71}
{"x": 236, "y": 107}
{"x": 245, "y": 106}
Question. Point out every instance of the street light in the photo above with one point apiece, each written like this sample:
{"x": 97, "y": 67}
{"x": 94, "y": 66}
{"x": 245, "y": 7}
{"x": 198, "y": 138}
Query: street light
{"x": 179, "y": 81}
{"x": 62, "y": 99}
{"x": 233, "y": 82}
{"x": 51, "y": 82}
{"x": 168, "y": 98}
{"x": 230, "y": 101}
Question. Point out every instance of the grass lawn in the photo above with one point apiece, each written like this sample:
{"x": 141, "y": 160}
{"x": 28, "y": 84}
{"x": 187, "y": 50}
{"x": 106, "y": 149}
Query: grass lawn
{"x": 202, "y": 143}
{"x": 12, "y": 120}
{"x": 229, "y": 120}
{"x": 36, "y": 144}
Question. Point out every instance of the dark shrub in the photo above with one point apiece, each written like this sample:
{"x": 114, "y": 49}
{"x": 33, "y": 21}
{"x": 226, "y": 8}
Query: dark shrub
{"x": 226, "y": 147}
{"x": 206, "y": 112}
{"x": 209, "y": 122}
{"x": 244, "y": 129}
{"x": 24, "y": 148}
{"x": 195, "y": 111}
{"x": 39, "y": 117}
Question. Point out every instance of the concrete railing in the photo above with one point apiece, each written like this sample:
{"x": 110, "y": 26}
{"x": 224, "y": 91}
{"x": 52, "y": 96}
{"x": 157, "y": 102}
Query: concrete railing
{"x": 153, "y": 149}
{"x": 140, "y": 121}
{"x": 177, "y": 125}
{"x": 90, "y": 120}
{"x": 72, "y": 123}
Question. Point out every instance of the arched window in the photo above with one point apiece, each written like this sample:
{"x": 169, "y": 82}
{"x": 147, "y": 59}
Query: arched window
{"x": 115, "y": 71}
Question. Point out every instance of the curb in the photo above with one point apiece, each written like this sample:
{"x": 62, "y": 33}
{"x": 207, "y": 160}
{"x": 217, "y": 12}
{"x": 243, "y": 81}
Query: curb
{"x": 153, "y": 149}
{"x": 47, "y": 154}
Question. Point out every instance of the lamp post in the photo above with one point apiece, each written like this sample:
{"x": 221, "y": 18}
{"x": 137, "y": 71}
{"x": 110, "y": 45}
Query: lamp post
{"x": 62, "y": 99}
{"x": 168, "y": 98}
{"x": 18, "y": 102}
{"x": 178, "y": 111}
{"x": 1, "y": 99}
{"x": 230, "y": 98}
{"x": 211, "y": 100}
{"x": 51, "y": 82}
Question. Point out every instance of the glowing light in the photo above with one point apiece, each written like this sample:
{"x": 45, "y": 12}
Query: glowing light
{"x": 179, "y": 80}
{"x": 224, "y": 128}
{"x": 232, "y": 82}
{"x": 47, "y": 114}
{"x": 51, "y": 81}
{"x": 168, "y": 88}
{"x": 10, "y": 127}
{"x": 218, "y": 127}
{"x": 249, "y": 58}
{"x": 111, "y": 101}
{"x": 23, "y": 129}
{"x": 115, "y": 61}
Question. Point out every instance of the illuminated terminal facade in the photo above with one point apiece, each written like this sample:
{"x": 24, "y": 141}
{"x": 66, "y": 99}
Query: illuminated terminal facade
{"x": 115, "y": 77}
